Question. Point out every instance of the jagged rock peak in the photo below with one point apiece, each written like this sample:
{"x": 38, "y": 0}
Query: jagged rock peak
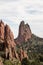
{"x": 22, "y": 23}
{"x": 7, "y": 39}
{"x": 24, "y": 33}
{"x": 1, "y": 22}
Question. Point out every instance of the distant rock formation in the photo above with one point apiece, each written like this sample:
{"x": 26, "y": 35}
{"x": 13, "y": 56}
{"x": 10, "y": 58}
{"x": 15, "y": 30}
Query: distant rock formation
{"x": 24, "y": 33}
{"x": 7, "y": 39}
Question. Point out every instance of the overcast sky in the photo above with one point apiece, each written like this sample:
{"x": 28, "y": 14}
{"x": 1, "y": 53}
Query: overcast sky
{"x": 31, "y": 11}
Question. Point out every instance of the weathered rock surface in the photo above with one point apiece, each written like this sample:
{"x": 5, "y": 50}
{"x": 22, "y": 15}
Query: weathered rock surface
{"x": 9, "y": 41}
{"x": 24, "y": 33}
{"x": 23, "y": 54}
{"x": 9, "y": 37}
{"x": 1, "y": 31}
{"x": 1, "y": 62}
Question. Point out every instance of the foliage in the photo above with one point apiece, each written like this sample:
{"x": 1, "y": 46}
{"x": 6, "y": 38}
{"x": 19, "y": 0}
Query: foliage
{"x": 16, "y": 62}
{"x": 35, "y": 63}
{"x": 12, "y": 62}
{"x": 7, "y": 62}
{"x": 41, "y": 57}
{"x": 25, "y": 62}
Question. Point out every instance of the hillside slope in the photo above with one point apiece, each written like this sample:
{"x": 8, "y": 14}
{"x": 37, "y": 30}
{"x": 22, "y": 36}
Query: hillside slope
{"x": 35, "y": 44}
{"x": 27, "y": 40}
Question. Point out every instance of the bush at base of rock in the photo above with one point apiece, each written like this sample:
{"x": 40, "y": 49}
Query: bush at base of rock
{"x": 35, "y": 63}
{"x": 7, "y": 62}
{"x": 12, "y": 62}
{"x": 25, "y": 62}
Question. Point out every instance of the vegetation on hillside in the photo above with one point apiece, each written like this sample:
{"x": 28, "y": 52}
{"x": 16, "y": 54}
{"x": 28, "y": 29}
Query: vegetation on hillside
{"x": 34, "y": 48}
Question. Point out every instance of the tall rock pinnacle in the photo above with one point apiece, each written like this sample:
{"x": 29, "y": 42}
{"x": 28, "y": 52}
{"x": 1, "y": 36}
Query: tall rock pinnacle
{"x": 24, "y": 33}
{"x": 7, "y": 39}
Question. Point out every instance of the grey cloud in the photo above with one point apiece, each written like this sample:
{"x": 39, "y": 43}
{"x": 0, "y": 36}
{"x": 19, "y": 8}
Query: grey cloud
{"x": 8, "y": 0}
{"x": 32, "y": 10}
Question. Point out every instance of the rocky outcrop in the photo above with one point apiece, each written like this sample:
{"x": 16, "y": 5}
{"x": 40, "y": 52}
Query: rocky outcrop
{"x": 7, "y": 39}
{"x": 1, "y": 62}
{"x": 8, "y": 42}
{"x": 23, "y": 54}
{"x": 24, "y": 33}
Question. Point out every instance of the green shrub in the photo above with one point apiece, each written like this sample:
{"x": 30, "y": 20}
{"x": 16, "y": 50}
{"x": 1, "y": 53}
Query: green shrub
{"x": 35, "y": 62}
{"x": 7, "y": 62}
{"x": 41, "y": 58}
{"x": 25, "y": 62}
{"x": 12, "y": 62}
{"x": 16, "y": 62}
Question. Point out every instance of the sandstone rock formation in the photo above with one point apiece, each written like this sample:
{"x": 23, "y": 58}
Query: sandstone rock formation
{"x": 1, "y": 62}
{"x": 23, "y": 54}
{"x": 24, "y": 33}
{"x": 7, "y": 39}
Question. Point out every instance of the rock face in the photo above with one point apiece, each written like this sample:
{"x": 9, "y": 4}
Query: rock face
{"x": 23, "y": 54}
{"x": 24, "y": 33}
{"x": 1, "y": 62}
{"x": 7, "y": 39}
{"x": 9, "y": 42}
{"x": 1, "y": 31}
